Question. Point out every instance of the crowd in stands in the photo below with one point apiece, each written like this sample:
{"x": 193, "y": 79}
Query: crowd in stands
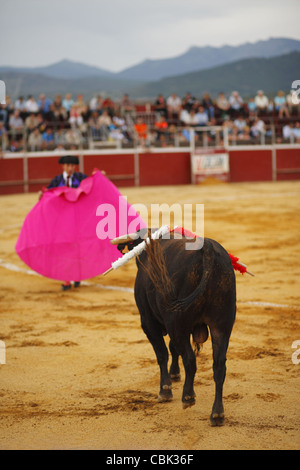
{"x": 67, "y": 123}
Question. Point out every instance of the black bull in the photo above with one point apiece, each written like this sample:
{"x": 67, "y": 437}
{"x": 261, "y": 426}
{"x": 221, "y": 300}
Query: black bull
{"x": 181, "y": 293}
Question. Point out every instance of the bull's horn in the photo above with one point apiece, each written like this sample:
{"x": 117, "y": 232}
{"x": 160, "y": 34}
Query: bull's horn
{"x": 125, "y": 238}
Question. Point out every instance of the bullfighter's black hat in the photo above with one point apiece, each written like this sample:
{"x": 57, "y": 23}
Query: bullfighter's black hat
{"x": 68, "y": 159}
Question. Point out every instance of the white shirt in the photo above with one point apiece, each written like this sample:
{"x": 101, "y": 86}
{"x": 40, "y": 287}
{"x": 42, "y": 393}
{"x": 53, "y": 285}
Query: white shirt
{"x": 65, "y": 175}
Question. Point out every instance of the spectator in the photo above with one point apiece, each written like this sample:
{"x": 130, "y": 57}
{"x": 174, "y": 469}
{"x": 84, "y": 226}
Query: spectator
{"x": 20, "y": 105}
{"x": 141, "y": 131}
{"x": 236, "y": 104}
{"x": 44, "y": 105}
{"x": 73, "y": 137}
{"x": 189, "y": 119}
{"x": 96, "y": 104}
{"x": 258, "y": 128}
{"x": 160, "y": 105}
{"x": 296, "y": 132}
{"x": 3, "y": 137}
{"x": 252, "y": 108}
{"x": 208, "y": 106}
{"x": 16, "y": 123}
{"x": 94, "y": 125}
{"x": 104, "y": 123}
{"x": 76, "y": 119}
{"x": 202, "y": 117}
{"x": 31, "y": 122}
{"x": 67, "y": 103}
{"x": 60, "y": 138}
{"x": 109, "y": 106}
{"x": 173, "y": 107}
{"x": 287, "y": 132}
{"x": 48, "y": 138}
{"x": 262, "y": 102}
{"x": 241, "y": 128}
{"x": 189, "y": 102}
{"x": 31, "y": 105}
{"x": 161, "y": 128}
{"x": 281, "y": 105}
{"x": 222, "y": 106}
{"x": 35, "y": 140}
{"x": 3, "y": 114}
{"x": 126, "y": 106}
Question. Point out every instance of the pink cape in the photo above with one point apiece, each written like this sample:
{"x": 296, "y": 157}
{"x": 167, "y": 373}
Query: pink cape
{"x": 60, "y": 236}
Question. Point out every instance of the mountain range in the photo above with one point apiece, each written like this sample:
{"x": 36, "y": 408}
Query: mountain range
{"x": 271, "y": 64}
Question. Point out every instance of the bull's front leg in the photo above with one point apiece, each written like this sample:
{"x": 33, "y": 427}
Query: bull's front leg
{"x": 155, "y": 336}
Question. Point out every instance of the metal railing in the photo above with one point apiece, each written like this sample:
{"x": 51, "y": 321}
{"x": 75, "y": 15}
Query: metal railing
{"x": 87, "y": 137}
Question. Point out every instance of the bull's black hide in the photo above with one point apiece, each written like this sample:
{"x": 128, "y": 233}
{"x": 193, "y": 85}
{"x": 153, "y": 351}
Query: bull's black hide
{"x": 183, "y": 293}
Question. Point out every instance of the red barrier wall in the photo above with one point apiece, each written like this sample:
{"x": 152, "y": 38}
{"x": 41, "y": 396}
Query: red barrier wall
{"x": 250, "y": 165}
{"x": 164, "y": 168}
{"x": 150, "y": 168}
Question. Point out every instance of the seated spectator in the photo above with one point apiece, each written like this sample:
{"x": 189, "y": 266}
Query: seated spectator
{"x": 160, "y": 105}
{"x": 31, "y": 122}
{"x": 296, "y": 132}
{"x": 81, "y": 106}
{"x": 73, "y": 137}
{"x": 281, "y": 105}
{"x": 20, "y": 105}
{"x": 3, "y": 137}
{"x": 241, "y": 128}
{"x": 44, "y": 104}
{"x": 60, "y": 138}
{"x": 67, "y": 103}
{"x": 189, "y": 118}
{"x": 189, "y": 102}
{"x": 173, "y": 107}
{"x": 293, "y": 107}
{"x": 16, "y": 123}
{"x": 35, "y": 140}
{"x": 257, "y": 128}
{"x": 141, "y": 131}
{"x": 287, "y": 132}
{"x": 3, "y": 114}
{"x": 208, "y": 106}
{"x": 104, "y": 122}
{"x": 202, "y": 117}
{"x": 222, "y": 105}
{"x": 120, "y": 124}
{"x": 94, "y": 125}
{"x": 252, "y": 108}
{"x": 48, "y": 138}
{"x": 109, "y": 106}
{"x": 96, "y": 104}
{"x": 76, "y": 118}
{"x": 161, "y": 128}
{"x": 126, "y": 106}
{"x": 235, "y": 104}
{"x": 262, "y": 102}
{"x": 31, "y": 105}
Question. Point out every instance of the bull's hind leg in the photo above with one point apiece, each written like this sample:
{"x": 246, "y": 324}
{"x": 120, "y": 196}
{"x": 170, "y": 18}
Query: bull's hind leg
{"x": 155, "y": 336}
{"x": 184, "y": 349}
{"x": 220, "y": 342}
{"x": 174, "y": 369}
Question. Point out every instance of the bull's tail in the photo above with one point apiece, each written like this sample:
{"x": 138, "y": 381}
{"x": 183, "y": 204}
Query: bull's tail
{"x": 158, "y": 273}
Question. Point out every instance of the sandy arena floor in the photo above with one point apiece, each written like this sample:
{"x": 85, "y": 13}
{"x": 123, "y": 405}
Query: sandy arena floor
{"x": 80, "y": 373}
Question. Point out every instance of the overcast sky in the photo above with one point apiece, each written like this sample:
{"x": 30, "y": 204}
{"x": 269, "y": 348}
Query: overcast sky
{"x": 119, "y": 33}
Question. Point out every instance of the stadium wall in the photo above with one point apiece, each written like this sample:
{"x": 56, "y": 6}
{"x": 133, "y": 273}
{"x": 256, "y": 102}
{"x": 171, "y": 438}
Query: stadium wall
{"x": 29, "y": 172}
